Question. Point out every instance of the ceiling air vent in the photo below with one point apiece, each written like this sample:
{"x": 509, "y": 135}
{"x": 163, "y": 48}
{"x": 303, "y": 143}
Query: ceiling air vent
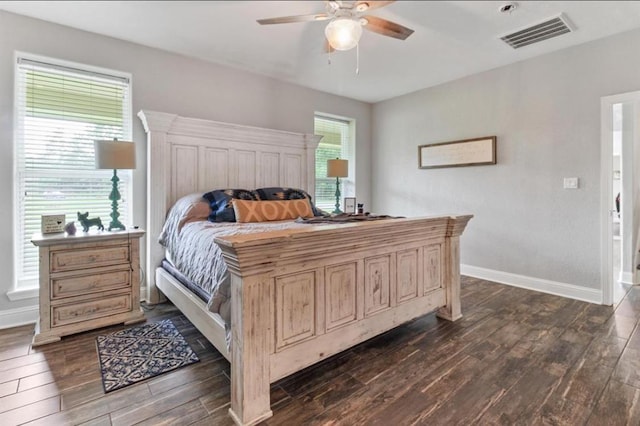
{"x": 545, "y": 30}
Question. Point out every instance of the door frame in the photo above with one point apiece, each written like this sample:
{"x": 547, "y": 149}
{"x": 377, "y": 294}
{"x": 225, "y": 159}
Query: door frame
{"x": 606, "y": 193}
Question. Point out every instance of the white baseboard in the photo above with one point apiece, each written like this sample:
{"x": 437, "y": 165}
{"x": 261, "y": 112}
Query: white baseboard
{"x": 537, "y": 284}
{"x": 628, "y": 278}
{"x": 20, "y": 316}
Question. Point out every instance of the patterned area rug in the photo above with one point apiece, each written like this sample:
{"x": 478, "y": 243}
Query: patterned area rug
{"x": 130, "y": 356}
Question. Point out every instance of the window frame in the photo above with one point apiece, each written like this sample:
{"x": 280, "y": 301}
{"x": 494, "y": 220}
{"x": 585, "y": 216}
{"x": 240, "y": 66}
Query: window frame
{"x": 348, "y": 152}
{"x": 24, "y": 287}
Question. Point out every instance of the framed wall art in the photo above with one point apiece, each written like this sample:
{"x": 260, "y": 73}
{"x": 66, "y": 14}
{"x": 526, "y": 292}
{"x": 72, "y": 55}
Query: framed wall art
{"x": 468, "y": 152}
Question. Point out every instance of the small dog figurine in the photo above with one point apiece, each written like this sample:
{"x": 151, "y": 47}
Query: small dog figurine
{"x": 87, "y": 223}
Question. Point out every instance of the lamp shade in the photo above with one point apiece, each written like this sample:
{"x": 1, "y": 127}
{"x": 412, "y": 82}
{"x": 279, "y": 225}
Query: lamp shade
{"x": 115, "y": 155}
{"x": 337, "y": 168}
{"x": 343, "y": 33}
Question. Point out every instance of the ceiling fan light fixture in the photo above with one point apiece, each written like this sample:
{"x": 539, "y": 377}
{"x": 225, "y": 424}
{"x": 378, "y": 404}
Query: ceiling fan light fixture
{"x": 343, "y": 33}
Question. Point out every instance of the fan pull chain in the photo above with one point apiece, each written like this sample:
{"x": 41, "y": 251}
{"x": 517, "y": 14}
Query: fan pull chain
{"x": 358, "y": 59}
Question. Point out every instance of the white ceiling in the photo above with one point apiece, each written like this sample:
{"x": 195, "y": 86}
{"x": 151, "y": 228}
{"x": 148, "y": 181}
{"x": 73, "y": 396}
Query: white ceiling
{"x": 452, "y": 39}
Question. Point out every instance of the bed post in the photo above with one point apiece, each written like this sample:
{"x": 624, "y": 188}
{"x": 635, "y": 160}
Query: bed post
{"x": 452, "y": 311}
{"x": 252, "y": 297}
{"x": 157, "y": 126}
{"x": 251, "y": 333}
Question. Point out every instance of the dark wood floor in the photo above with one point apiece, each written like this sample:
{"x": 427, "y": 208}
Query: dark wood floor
{"x": 517, "y": 357}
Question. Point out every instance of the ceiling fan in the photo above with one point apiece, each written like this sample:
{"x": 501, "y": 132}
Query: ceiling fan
{"x": 347, "y": 20}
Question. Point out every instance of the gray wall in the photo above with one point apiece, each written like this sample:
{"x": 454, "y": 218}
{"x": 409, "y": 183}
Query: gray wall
{"x": 546, "y": 115}
{"x": 161, "y": 82}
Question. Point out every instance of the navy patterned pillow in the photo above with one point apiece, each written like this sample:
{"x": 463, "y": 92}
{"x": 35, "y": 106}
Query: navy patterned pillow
{"x": 280, "y": 193}
{"x": 221, "y": 201}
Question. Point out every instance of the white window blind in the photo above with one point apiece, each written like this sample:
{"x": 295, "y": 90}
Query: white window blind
{"x": 61, "y": 109}
{"x": 336, "y": 141}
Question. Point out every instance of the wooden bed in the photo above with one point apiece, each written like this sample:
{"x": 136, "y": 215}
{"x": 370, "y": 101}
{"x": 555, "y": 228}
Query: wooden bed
{"x": 302, "y": 295}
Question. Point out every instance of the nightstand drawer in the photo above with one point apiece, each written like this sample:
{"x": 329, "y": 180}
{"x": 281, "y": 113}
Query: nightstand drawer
{"x": 90, "y": 283}
{"x": 69, "y": 260}
{"x": 90, "y": 309}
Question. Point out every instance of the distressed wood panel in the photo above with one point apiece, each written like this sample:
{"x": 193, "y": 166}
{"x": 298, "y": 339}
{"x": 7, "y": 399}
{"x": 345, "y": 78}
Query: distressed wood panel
{"x": 269, "y": 169}
{"x": 377, "y": 282}
{"x": 246, "y": 169}
{"x": 69, "y": 260}
{"x": 91, "y": 309}
{"x": 252, "y": 341}
{"x": 407, "y": 275}
{"x": 293, "y": 170}
{"x": 89, "y": 283}
{"x": 185, "y": 159}
{"x": 432, "y": 267}
{"x": 295, "y": 308}
{"x": 215, "y": 170}
{"x": 340, "y": 295}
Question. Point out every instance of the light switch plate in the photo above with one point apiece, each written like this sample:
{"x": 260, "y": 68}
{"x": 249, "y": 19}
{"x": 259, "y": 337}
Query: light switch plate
{"x": 571, "y": 183}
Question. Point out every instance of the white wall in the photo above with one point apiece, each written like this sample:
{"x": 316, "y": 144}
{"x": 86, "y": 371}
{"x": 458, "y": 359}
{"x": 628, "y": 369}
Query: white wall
{"x": 546, "y": 115}
{"x": 161, "y": 82}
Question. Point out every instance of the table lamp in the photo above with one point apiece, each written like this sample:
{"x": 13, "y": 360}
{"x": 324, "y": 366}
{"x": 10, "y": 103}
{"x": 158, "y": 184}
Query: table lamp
{"x": 115, "y": 154}
{"x": 338, "y": 169}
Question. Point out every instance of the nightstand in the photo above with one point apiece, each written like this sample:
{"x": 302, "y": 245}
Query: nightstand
{"x": 87, "y": 281}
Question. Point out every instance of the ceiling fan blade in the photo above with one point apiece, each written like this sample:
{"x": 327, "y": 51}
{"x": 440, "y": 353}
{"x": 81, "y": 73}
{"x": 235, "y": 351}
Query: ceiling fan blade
{"x": 388, "y": 28}
{"x": 365, "y": 5}
{"x": 298, "y": 18}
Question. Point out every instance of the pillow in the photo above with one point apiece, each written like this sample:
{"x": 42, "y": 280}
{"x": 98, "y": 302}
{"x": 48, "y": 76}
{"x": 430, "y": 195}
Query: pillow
{"x": 221, "y": 201}
{"x": 189, "y": 208}
{"x": 265, "y": 211}
{"x": 280, "y": 193}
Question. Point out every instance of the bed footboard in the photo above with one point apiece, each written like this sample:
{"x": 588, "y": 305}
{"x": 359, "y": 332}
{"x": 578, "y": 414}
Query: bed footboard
{"x": 302, "y": 295}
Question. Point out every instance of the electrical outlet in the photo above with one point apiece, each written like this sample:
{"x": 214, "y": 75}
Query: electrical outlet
{"x": 571, "y": 183}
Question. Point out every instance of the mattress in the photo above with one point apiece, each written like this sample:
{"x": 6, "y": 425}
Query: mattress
{"x": 168, "y": 266}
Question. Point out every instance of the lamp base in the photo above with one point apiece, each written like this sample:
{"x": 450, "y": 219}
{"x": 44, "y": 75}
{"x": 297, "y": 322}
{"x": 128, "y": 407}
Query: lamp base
{"x": 337, "y": 209}
{"x": 114, "y": 197}
{"x": 116, "y": 225}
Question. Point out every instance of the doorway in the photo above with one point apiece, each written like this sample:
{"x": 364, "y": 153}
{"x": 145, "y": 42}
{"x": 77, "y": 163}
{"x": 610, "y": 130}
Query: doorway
{"x": 620, "y": 220}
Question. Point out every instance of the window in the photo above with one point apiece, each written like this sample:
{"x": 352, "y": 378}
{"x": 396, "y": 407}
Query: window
{"x": 60, "y": 110}
{"x": 337, "y": 142}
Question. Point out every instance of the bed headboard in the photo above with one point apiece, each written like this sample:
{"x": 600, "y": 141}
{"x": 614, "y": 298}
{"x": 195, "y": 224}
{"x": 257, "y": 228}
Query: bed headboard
{"x": 188, "y": 155}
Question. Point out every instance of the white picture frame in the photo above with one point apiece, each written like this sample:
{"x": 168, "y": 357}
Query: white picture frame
{"x": 350, "y": 205}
